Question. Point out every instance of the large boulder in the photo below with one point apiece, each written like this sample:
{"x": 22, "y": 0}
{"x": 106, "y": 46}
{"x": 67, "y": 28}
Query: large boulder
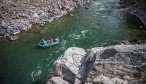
{"x": 119, "y": 64}
{"x": 122, "y": 64}
{"x": 68, "y": 65}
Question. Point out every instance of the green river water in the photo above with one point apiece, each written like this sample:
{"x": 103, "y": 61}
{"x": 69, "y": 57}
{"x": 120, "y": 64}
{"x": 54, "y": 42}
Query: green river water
{"x": 22, "y": 62}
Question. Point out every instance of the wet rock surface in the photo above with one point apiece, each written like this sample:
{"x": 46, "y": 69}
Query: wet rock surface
{"x": 14, "y": 37}
{"x": 19, "y": 15}
{"x": 119, "y": 64}
{"x": 135, "y": 7}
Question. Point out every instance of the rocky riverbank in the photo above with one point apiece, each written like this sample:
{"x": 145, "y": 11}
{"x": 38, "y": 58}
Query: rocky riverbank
{"x": 135, "y": 7}
{"x": 19, "y": 15}
{"x": 119, "y": 64}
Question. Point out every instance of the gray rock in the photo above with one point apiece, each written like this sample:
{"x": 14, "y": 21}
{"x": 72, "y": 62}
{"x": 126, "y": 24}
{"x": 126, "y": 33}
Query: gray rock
{"x": 77, "y": 81}
{"x": 57, "y": 80}
{"x": 12, "y": 38}
{"x": 108, "y": 53}
{"x": 2, "y": 32}
{"x": 69, "y": 64}
{"x": 35, "y": 15}
{"x": 20, "y": 17}
{"x": 4, "y": 24}
{"x": 120, "y": 64}
{"x": 14, "y": 32}
{"x": 135, "y": 7}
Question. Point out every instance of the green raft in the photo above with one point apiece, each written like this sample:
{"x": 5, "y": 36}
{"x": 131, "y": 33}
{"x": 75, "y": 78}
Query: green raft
{"x": 47, "y": 43}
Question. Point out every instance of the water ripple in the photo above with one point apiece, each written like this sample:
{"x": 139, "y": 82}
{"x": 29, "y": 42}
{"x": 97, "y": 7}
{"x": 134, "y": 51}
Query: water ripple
{"x": 35, "y": 73}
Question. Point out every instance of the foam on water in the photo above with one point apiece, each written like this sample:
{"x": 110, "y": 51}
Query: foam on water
{"x": 63, "y": 42}
{"x": 84, "y": 31}
{"x": 35, "y": 74}
{"x": 97, "y": 3}
{"x": 74, "y": 36}
{"x": 102, "y": 9}
{"x": 81, "y": 35}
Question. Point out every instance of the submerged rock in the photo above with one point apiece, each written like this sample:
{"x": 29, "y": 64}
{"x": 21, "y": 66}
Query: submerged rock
{"x": 12, "y": 38}
{"x": 120, "y": 64}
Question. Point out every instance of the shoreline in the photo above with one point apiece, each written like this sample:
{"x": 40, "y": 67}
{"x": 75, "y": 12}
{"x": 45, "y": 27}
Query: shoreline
{"x": 17, "y": 17}
{"x": 14, "y": 21}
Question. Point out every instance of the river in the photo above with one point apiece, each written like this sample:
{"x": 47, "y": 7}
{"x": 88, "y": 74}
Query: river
{"x": 22, "y": 62}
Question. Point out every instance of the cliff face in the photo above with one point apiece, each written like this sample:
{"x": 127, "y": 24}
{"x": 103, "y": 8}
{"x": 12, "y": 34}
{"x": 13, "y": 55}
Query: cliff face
{"x": 19, "y": 15}
{"x": 120, "y": 64}
{"x": 135, "y": 7}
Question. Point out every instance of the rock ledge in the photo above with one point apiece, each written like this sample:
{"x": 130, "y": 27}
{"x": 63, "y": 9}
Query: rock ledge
{"x": 119, "y": 64}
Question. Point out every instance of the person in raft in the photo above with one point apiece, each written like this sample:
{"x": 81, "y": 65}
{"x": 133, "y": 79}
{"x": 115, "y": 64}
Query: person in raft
{"x": 50, "y": 40}
{"x": 43, "y": 42}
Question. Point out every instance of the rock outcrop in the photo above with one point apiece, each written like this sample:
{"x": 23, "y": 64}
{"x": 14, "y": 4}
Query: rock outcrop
{"x": 120, "y": 64}
{"x": 19, "y": 15}
{"x": 135, "y": 7}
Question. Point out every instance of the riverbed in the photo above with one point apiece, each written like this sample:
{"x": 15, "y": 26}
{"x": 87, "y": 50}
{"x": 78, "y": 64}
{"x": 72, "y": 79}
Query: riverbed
{"x": 22, "y": 62}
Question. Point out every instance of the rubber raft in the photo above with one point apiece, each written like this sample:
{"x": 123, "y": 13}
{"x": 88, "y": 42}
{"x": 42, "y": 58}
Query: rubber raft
{"x": 47, "y": 43}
